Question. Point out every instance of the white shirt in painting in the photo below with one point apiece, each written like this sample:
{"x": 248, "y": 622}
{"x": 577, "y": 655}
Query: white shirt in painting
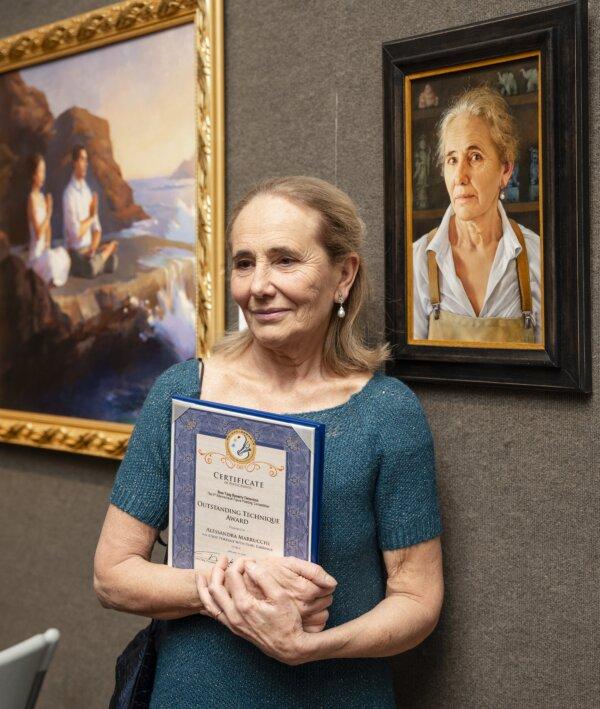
{"x": 77, "y": 198}
{"x": 51, "y": 265}
{"x": 502, "y": 298}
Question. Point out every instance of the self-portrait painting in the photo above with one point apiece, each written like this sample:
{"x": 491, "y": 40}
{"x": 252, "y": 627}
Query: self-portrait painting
{"x": 487, "y": 273}
{"x": 474, "y": 219}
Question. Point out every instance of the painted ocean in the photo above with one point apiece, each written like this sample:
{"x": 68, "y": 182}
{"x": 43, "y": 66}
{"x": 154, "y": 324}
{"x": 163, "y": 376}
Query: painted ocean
{"x": 170, "y": 204}
{"x": 160, "y": 249}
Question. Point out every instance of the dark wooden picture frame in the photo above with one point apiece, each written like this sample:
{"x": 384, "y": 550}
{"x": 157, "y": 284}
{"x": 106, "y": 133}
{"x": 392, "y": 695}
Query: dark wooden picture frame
{"x": 556, "y": 37}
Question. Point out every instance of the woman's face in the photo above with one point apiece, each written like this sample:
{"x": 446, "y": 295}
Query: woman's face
{"x": 282, "y": 277}
{"x": 473, "y": 172}
{"x": 39, "y": 175}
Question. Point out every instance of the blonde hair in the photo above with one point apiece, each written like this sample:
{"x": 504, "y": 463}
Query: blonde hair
{"x": 341, "y": 232}
{"x": 489, "y": 104}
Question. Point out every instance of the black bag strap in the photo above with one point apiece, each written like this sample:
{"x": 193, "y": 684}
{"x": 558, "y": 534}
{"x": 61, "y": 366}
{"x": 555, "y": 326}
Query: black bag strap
{"x": 200, "y": 375}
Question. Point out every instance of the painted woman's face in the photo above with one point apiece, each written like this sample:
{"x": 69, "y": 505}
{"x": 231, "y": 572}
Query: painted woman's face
{"x": 282, "y": 277}
{"x": 473, "y": 171}
{"x": 39, "y": 176}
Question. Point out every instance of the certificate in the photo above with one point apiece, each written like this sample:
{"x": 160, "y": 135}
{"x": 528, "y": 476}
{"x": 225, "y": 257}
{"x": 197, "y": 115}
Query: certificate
{"x": 243, "y": 483}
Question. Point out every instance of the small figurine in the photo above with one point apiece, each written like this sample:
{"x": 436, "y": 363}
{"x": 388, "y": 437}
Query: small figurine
{"x": 512, "y": 189}
{"x": 508, "y": 83}
{"x": 428, "y": 97}
{"x": 533, "y": 174}
{"x": 531, "y": 76}
{"x": 421, "y": 172}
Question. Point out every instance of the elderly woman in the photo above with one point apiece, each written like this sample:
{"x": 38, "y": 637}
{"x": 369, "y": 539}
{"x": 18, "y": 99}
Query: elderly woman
{"x": 251, "y": 633}
{"x": 476, "y": 278}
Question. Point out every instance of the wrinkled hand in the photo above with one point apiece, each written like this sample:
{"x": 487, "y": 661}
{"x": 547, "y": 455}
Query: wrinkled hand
{"x": 307, "y": 584}
{"x": 272, "y": 623}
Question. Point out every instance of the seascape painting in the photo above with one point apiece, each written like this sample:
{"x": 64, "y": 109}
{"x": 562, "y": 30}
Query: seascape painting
{"x": 98, "y": 226}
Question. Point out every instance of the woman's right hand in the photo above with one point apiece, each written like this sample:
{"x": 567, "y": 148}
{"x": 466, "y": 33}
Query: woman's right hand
{"x": 307, "y": 584}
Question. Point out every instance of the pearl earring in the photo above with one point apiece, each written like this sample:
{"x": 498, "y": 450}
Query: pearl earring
{"x": 341, "y": 312}
{"x": 502, "y": 194}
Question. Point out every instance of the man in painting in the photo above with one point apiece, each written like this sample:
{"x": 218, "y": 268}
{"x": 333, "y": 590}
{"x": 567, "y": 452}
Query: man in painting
{"x": 476, "y": 277}
{"x": 82, "y": 230}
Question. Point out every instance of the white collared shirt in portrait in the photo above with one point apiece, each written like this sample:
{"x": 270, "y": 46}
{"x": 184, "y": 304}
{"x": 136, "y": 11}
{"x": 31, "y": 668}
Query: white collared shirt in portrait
{"x": 502, "y": 298}
{"x": 77, "y": 198}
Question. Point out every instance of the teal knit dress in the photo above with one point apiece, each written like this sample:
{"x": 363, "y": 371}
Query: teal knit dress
{"x": 378, "y": 493}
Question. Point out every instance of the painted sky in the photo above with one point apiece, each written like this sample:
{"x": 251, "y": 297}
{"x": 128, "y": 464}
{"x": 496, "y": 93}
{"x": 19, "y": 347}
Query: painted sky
{"x": 144, "y": 87}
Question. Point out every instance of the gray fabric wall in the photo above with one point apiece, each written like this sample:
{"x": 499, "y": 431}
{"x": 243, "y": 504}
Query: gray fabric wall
{"x": 518, "y": 473}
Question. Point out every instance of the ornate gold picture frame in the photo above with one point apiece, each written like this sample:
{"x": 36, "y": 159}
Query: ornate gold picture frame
{"x": 120, "y": 272}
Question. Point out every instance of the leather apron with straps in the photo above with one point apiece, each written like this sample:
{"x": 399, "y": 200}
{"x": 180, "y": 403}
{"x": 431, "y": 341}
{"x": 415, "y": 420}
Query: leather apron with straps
{"x": 444, "y": 325}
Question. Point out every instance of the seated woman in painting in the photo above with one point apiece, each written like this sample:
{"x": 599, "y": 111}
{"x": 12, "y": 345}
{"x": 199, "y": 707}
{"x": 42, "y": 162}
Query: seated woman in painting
{"x": 51, "y": 265}
{"x": 476, "y": 277}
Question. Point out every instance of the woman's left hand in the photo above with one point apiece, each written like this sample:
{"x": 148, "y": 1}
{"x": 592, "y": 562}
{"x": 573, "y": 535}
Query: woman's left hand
{"x": 273, "y": 624}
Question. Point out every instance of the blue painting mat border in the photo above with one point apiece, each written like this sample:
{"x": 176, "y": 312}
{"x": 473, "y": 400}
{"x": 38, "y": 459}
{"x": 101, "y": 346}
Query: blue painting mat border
{"x": 218, "y": 421}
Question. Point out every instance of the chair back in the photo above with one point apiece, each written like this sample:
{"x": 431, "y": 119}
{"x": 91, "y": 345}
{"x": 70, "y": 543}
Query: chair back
{"x": 23, "y": 668}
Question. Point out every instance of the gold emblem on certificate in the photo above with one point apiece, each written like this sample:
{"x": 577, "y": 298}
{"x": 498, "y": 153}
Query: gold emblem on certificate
{"x": 240, "y": 446}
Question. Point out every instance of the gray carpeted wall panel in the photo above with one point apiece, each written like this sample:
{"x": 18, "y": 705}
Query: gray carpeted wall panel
{"x": 518, "y": 473}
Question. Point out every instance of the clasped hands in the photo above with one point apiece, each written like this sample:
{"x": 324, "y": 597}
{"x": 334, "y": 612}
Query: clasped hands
{"x": 275, "y": 603}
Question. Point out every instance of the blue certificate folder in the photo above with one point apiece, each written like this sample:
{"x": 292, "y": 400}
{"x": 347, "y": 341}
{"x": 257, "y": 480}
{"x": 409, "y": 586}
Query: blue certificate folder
{"x": 243, "y": 483}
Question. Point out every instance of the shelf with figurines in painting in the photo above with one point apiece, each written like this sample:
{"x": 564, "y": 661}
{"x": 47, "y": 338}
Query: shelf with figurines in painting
{"x": 517, "y": 81}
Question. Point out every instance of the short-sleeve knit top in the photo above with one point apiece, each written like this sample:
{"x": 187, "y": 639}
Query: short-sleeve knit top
{"x": 379, "y": 493}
